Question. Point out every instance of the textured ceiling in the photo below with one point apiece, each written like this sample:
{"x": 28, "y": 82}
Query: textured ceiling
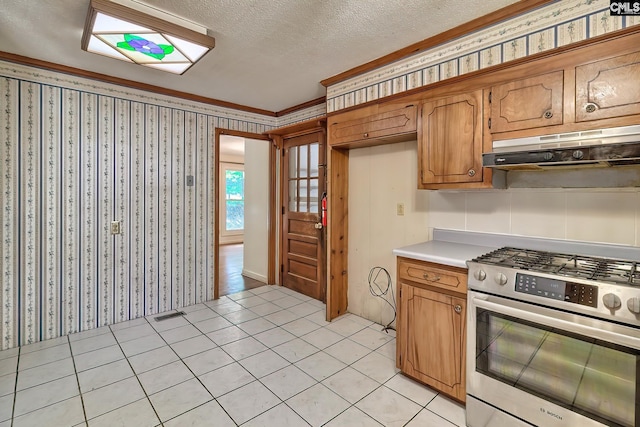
{"x": 269, "y": 54}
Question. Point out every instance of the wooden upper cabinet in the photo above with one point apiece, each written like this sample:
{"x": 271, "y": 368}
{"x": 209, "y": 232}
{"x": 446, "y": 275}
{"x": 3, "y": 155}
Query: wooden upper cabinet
{"x": 608, "y": 88}
{"x": 384, "y": 127}
{"x": 450, "y": 140}
{"x": 527, "y": 103}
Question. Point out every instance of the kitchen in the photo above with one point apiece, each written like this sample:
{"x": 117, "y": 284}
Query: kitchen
{"x": 600, "y": 215}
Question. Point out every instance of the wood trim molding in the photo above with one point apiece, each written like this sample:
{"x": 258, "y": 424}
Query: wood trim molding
{"x": 459, "y": 31}
{"x": 302, "y": 106}
{"x": 25, "y": 60}
{"x": 495, "y": 68}
{"x": 307, "y": 126}
{"x": 242, "y": 134}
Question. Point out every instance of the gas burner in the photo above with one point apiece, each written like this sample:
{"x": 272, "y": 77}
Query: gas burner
{"x": 578, "y": 266}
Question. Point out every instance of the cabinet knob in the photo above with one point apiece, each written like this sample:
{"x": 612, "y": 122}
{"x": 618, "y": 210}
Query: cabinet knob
{"x": 590, "y": 107}
{"x": 457, "y": 308}
{"x": 548, "y": 114}
{"x": 366, "y": 135}
{"x": 471, "y": 172}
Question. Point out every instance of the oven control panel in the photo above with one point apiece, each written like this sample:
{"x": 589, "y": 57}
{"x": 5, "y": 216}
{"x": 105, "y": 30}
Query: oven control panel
{"x": 576, "y": 293}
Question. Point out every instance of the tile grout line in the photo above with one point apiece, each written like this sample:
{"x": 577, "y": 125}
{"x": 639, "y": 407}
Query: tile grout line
{"x": 75, "y": 371}
{"x": 135, "y": 374}
{"x": 15, "y": 385}
{"x": 193, "y": 373}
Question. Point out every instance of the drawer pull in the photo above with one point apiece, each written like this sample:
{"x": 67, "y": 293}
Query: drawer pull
{"x": 457, "y": 308}
{"x": 433, "y": 279}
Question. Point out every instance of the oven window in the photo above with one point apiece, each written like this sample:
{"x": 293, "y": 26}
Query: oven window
{"x": 588, "y": 376}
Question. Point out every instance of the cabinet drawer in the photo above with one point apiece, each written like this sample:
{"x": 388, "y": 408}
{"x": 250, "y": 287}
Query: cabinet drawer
{"x": 378, "y": 126}
{"x": 432, "y": 276}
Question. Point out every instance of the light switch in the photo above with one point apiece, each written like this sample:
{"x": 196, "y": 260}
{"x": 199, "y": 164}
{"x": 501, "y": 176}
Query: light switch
{"x": 189, "y": 180}
{"x": 400, "y": 209}
{"x": 115, "y": 227}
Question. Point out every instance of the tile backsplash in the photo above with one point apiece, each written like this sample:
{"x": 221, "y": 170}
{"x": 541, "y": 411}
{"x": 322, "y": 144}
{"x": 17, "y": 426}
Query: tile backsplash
{"x": 594, "y": 215}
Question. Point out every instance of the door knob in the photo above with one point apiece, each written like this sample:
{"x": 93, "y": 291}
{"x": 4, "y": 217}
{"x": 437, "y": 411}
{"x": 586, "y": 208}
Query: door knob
{"x": 318, "y": 225}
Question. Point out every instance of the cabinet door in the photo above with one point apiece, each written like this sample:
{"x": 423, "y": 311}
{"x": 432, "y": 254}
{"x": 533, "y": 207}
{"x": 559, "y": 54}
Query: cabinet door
{"x": 450, "y": 140}
{"x": 433, "y": 328}
{"x": 384, "y": 126}
{"x": 528, "y": 103}
{"x": 608, "y": 88}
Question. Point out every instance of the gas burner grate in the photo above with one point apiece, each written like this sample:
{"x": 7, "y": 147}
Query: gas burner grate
{"x": 577, "y": 266}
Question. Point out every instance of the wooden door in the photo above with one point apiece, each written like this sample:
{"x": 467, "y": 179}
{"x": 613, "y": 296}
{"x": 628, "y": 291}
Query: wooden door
{"x": 608, "y": 88}
{"x": 450, "y": 145}
{"x": 303, "y": 266}
{"x": 527, "y": 103}
{"x": 433, "y": 328}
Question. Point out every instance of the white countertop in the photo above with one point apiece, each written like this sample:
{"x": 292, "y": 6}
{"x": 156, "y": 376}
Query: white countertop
{"x": 456, "y": 247}
{"x": 446, "y": 253}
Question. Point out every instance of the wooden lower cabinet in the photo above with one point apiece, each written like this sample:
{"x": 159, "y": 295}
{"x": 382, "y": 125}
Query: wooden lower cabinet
{"x": 431, "y": 337}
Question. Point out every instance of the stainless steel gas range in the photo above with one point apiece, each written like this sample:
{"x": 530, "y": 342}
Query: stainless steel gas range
{"x": 553, "y": 340}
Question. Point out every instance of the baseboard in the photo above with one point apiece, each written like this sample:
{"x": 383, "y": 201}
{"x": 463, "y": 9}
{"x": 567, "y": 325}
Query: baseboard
{"x": 253, "y": 275}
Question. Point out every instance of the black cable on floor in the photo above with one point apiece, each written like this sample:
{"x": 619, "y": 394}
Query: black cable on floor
{"x": 377, "y": 291}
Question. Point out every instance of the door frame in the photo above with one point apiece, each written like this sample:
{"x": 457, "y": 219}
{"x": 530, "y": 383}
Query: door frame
{"x": 271, "y": 267}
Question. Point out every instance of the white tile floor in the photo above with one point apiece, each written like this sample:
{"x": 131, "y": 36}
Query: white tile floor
{"x": 263, "y": 357}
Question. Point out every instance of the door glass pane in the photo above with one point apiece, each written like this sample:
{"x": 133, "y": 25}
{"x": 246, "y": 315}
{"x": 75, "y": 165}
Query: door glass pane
{"x": 304, "y": 195}
{"x": 304, "y": 161}
{"x": 314, "y": 151}
{"x": 293, "y": 195}
{"x": 234, "y": 199}
{"x": 585, "y": 375}
{"x": 293, "y": 162}
{"x": 313, "y": 196}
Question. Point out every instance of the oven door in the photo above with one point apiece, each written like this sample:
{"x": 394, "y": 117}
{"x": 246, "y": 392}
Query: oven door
{"x": 549, "y": 367}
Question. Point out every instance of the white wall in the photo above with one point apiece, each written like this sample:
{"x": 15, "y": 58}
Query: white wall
{"x": 256, "y": 209}
{"x": 379, "y": 178}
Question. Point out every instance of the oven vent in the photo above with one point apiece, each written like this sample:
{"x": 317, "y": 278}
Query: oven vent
{"x": 169, "y": 316}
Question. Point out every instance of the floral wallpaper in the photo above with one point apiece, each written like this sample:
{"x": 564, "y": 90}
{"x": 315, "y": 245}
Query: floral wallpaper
{"x": 76, "y": 155}
{"x": 554, "y": 25}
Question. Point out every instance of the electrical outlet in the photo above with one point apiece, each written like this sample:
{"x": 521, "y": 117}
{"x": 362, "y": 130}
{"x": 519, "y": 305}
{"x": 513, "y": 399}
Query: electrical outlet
{"x": 400, "y": 209}
{"x": 115, "y": 227}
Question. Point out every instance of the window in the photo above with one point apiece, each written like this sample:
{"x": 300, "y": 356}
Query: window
{"x": 234, "y": 199}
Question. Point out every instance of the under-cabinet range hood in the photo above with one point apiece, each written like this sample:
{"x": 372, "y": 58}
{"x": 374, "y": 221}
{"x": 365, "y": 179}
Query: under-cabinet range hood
{"x": 602, "y": 147}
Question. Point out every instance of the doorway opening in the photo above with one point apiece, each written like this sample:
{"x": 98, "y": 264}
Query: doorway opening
{"x": 244, "y": 214}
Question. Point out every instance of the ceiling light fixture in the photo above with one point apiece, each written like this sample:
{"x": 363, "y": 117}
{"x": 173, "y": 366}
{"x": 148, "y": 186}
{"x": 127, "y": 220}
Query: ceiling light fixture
{"x": 133, "y": 32}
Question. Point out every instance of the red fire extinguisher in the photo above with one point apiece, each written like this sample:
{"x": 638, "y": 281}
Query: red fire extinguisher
{"x": 323, "y": 205}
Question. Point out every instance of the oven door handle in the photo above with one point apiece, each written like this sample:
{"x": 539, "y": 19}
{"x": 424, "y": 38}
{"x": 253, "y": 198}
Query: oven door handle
{"x": 599, "y": 329}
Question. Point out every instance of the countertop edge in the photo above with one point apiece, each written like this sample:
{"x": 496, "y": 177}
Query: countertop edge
{"x": 444, "y": 253}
